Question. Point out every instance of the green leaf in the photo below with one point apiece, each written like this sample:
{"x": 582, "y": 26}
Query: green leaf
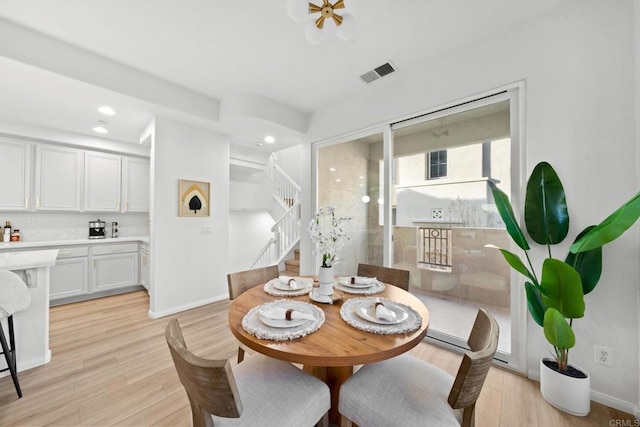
{"x": 515, "y": 262}
{"x": 611, "y": 228}
{"x": 588, "y": 264}
{"x": 561, "y": 288}
{"x": 506, "y": 213}
{"x": 545, "y": 207}
{"x": 557, "y": 330}
{"x": 534, "y": 302}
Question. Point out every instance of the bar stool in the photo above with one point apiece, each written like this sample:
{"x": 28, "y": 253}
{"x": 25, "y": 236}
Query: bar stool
{"x": 14, "y": 296}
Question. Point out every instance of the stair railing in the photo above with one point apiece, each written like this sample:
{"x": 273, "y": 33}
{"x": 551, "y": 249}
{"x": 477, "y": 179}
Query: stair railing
{"x": 286, "y": 235}
{"x": 287, "y": 191}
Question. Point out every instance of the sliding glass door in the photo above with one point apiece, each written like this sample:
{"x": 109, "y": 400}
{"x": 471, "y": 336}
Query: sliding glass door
{"x": 418, "y": 192}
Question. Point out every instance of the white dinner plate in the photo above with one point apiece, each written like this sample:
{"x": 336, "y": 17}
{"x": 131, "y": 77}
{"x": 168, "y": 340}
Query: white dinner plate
{"x": 302, "y": 284}
{"x": 346, "y": 281}
{"x": 366, "y": 309}
{"x": 284, "y": 323}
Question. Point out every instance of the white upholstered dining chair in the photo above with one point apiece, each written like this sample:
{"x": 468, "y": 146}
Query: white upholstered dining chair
{"x": 405, "y": 391}
{"x": 260, "y": 391}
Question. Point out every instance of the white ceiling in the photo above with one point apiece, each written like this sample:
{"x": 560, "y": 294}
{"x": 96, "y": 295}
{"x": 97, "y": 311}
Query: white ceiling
{"x": 222, "y": 50}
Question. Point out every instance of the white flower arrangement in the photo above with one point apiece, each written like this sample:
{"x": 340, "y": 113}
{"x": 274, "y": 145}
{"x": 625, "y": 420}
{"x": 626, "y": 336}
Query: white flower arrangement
{"x": 329, "y": 234}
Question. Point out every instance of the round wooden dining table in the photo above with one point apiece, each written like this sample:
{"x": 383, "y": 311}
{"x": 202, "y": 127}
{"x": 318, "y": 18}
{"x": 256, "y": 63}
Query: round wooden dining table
{"x": 332, "y": 351}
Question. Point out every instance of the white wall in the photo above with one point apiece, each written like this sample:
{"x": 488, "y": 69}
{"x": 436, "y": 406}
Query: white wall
{"x": 578, "y": 65}
{"x": 289, "y": 160}
{"x": 189, "y": 267}
{"x": 249, "y": 232}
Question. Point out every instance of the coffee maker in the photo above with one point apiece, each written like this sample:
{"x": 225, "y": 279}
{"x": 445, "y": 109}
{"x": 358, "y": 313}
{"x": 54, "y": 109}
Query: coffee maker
{"x": 96, "y": 229}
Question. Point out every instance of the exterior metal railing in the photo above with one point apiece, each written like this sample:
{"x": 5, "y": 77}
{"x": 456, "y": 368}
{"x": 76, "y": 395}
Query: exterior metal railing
{"x": 436, "y": 248}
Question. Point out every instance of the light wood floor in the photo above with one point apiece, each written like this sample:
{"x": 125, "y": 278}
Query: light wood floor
{"x": 111, "y": 366}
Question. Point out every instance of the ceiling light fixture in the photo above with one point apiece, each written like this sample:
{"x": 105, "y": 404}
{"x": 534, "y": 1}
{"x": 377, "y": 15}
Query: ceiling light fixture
{"x": 100, "y": 127}
{"x": 107, "y": 111}
{"x": 301, "y": 10}
{"x": 269, "y": 139}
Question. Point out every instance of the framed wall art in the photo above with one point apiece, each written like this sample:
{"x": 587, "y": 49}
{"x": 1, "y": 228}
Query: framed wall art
{"x": 193, "y": 198}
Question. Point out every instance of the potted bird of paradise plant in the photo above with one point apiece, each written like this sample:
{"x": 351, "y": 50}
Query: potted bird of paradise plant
{"x": 556, "y": 297}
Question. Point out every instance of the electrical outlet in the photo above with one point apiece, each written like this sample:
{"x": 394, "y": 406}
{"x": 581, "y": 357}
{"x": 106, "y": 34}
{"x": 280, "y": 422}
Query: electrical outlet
{"x": 207, "y": 229}
{"x": 603, "y": 356}
{"x": 31, "y": 221}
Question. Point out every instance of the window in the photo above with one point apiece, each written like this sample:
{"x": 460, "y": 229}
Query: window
{"x": 437, "y": 167}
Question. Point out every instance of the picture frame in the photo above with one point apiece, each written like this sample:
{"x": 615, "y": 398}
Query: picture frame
{"x": 193, "y": 198}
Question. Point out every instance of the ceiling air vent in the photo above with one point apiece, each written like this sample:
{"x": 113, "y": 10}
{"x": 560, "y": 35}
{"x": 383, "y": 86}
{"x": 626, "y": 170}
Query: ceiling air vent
{"x": 377, "y": 72}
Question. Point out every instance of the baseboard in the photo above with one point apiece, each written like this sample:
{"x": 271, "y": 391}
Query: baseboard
{"x": 604, "y": 399}
{"x": 24, "y": 365}
{"x": 195, "y": 304}
{"x": 614, "y": 402}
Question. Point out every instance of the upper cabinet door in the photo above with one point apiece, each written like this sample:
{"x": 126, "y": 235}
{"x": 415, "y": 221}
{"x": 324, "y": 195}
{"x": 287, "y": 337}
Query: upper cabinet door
{"x": 15, "y": 170}
{"x": 135, "y": 185}
{"x": 58, "y": 178}
{"x": 102, "y": 182}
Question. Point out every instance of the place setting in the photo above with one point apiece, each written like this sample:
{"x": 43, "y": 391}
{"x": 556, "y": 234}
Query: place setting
{"x": 283, "y": 320}
{"x": 288, "y": 286}
{"x": 359, "y": 285}
{"x": 380, "y": 316}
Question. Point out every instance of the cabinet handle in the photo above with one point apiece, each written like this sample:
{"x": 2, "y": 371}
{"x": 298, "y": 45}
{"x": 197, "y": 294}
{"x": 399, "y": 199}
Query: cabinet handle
{"x": 61, "y": 254}
{"x": 38, "y": 202}
{"x": 94, "y": 264}
{"x": 118, "y": 208}
{"x": 26, "y": 203}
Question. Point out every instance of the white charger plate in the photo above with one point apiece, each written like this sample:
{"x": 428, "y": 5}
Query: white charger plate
{"x": 302, "y": 284}
{"x": 284, "y": 323}
{"x": 367, "y": 310}
{"x": 346, "y": 281}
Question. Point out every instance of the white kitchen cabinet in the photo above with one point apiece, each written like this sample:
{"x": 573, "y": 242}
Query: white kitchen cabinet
{"x": 145, "y": 278}
{"x": 115, "y": 266}
{"x": 15, "y": 175}
{"x": 135, "y": 184}
{"x": 58, "y": 178}
{"x": 102, "y": 179}
{"x": 69, "y": 277}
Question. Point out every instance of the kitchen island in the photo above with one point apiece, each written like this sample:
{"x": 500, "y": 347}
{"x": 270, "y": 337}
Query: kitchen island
{"x": 31, "y": 324}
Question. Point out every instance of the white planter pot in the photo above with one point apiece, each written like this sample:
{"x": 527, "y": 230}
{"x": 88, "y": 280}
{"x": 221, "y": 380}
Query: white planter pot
{"x": 325, "y": 279}
{"x": 571, "y": 395}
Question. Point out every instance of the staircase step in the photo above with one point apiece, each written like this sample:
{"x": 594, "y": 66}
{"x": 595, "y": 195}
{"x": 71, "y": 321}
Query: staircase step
{"x": 289, "y": 273}
{"x": 292, "y": 265}
{"x": 296, "y": 254}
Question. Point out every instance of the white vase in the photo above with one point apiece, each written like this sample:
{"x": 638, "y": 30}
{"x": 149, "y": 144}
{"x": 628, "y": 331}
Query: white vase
{"x": 325, "y": 279}
{"x": 571, "y": 395}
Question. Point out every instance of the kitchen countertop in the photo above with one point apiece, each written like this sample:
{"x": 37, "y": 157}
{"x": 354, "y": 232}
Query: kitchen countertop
{"x": 31, "y": 259}
{"x": 54, "y": 243}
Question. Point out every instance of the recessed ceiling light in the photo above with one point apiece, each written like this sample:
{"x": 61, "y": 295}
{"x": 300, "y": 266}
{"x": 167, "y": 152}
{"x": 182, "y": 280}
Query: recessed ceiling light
{"x": 269, "y": 139}
{"x": 107, "y": 111}
{"x": 100, "y": 129}
{"x": 258, "y": 144}
{"x": 332, "y": 169}
{"x": 338, "y": 180}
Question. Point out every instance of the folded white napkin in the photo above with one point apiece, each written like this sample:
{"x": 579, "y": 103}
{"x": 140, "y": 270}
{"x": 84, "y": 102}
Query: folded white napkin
{"x": 360, "y": 280}
{"x": 281, "y": 313}
{"x": 383, "y": 313}
{"x": 289, "y": 281}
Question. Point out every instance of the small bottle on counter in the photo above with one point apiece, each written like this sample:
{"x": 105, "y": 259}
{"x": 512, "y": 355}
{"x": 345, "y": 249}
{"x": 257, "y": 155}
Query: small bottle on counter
{"x": 15, "y": 235}
{"x": 7, "y": 231}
